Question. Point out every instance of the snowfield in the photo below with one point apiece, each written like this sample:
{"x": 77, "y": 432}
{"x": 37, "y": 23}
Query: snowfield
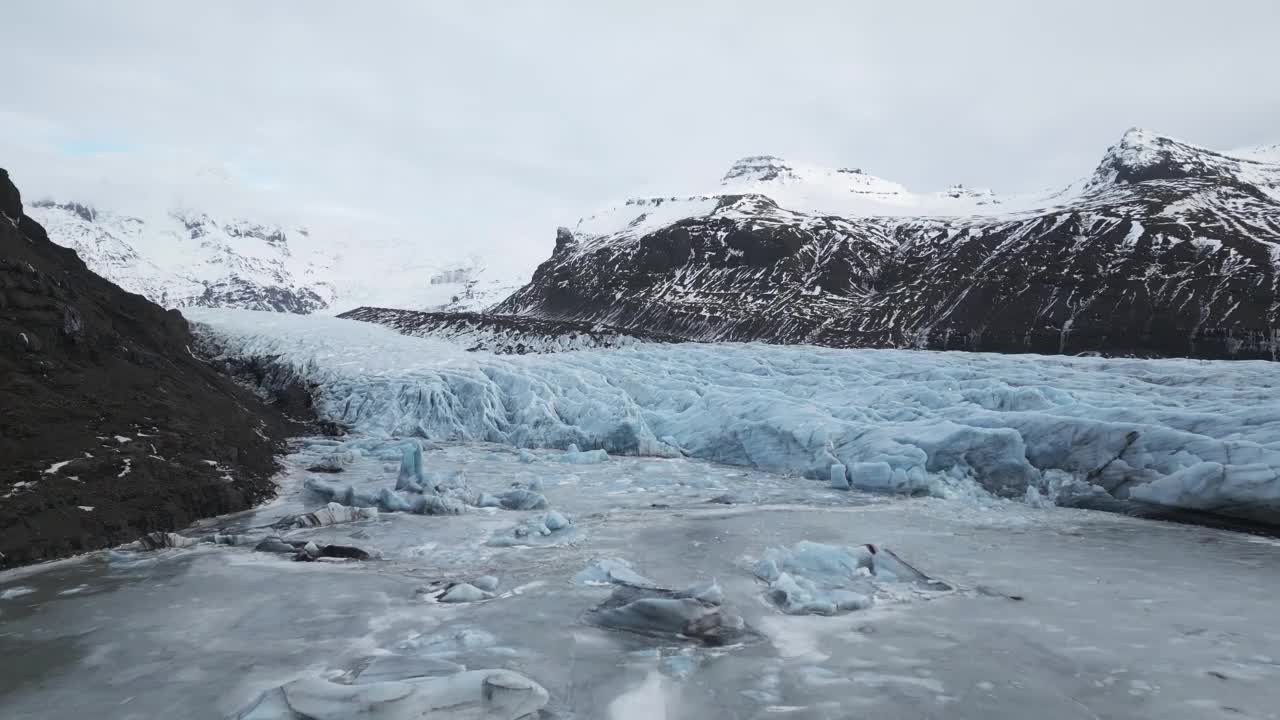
{"x": 1188, "y": 434}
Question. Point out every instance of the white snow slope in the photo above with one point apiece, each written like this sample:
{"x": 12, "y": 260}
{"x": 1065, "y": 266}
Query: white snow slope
{"x": 806, "y": 191}
{"x": 1193, "y": 434}
{"x": 173, "y": 257}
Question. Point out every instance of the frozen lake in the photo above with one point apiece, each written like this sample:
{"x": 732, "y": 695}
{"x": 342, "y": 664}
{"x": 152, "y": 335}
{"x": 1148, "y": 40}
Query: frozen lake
{"x": 1048, "y": 613}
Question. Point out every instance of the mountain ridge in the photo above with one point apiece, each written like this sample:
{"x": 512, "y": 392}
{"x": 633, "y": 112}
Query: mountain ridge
{"x": 1166, "y": 249}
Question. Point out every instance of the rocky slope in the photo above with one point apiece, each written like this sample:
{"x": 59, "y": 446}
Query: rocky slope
{"x": 504, "y": 334}
{"x": 1167, "y": 249}
{"x": 110, "y": 425}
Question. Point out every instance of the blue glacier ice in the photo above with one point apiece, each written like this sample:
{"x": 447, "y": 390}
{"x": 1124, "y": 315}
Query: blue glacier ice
{"x": 1192, "y": 434}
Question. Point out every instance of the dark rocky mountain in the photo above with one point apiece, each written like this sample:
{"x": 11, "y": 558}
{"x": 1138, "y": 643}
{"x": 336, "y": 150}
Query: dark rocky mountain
{"x": 1167, "y": 250}
{"x": 111, "y": 425}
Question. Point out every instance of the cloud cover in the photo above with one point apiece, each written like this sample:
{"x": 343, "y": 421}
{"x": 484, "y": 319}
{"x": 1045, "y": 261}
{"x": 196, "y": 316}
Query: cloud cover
{"x": 479, "y": 126}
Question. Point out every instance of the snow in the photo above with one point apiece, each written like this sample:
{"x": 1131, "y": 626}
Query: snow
{"x": 947, "y": 424}
{"x": 173, "y": 256}
{"x": 15, "y": 592}
{"x": 54, "y": 468}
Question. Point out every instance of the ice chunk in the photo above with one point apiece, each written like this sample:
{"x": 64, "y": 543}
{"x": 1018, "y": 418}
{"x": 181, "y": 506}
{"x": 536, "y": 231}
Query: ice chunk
{"x": 464, "y": 593}
{"x": 523, "y": 500}
{"x": 555, "y": 521}
{"x": 331, "y": 514}
{"x": 436, "y": 505}
{"x": 162, "y": 540}
{"x": 527, "y": 457}
{"x": 15, "y": 592}
{"x": 589, "y": 457}
{"x": 334, "y": 462}
{"x": 485, "y": 500}
{"x": 839, "y": 477}
{"x": 813, "y": 578}
{"x": 609, "y": 571}
{"x": 389, "y": 501}
{"x": 872, "y": 476}
{"x": 488, "y": 583}
{"x": 801, "y": 596}
{"x": 708, "y": 592}
{"x": 410, "y": 475}
{"x": 474, "y": 695}
{"x": 275, "y": 545}
{"x": 663, "y": 613}
{"x": 550, "y": 529}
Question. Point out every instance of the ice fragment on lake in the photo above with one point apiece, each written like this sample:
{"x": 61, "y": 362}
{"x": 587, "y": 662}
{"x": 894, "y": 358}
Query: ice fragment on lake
{"x": 814, "y": 578}
{"x": 161, "y": 540}
{"x": 436, "y": 505}
{"x": 709, "y": 592}
{"x": 389, "y": 501}
{"x": 555, "y": 521}
{"x": 523, "y": 500}
{"x": 334, "y": 462}
{"x": 663, "y": 613}
{"x": 802, "y": 596}
{"x": 15, "y": 592}
{"x": 485, "y": 500}
{"x": 488, "y": 583}
{"x": 550, "y": 529}
{"x": 590, "y": 457}
{"x": 527, "y": 457}
{"x": 410, "y": 476}
{"x": 464, "y": 593}
{"x": 331, "y": 514}
{"x": 473, "y": 695}
{"x": 839, "y": 477}
{"x": 610, "y": 571}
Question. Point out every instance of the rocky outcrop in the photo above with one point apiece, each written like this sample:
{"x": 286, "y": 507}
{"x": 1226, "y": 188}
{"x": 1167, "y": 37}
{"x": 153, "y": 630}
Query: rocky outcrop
{"x": 111, "y": 425}
{"x": 1167, "y": 250}
{"x": 505, "y": 334}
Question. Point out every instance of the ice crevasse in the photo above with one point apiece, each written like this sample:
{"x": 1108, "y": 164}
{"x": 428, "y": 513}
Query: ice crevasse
{"x": 1185, "y": 433}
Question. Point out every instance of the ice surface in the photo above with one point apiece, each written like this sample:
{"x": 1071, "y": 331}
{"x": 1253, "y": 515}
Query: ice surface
{"x": 900, "y": 421}
{"x": 201, "y": 632}
{"x": 471, "y": 695}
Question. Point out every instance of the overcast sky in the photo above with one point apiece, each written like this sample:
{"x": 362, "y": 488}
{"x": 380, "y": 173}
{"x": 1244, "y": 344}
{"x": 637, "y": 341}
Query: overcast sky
{"x": 483, "y": 125}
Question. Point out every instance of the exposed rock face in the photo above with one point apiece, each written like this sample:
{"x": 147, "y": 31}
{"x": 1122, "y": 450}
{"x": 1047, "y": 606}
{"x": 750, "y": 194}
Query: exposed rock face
{"x": 110, "y": 426}
{"x": 505, "y": 334}
{"x": 1167, "y": 250}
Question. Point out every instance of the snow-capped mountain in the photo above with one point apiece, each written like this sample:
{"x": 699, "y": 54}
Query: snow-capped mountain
{"x": 184, "y": 257}
{"x": 1166, "y": 249}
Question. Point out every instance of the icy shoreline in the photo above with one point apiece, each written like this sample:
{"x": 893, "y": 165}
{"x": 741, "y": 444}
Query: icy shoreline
{"x": 1189, "y": 434}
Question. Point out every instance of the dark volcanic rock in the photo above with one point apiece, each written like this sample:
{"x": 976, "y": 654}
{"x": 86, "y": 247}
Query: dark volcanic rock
{"x": 111, "y": 427}
{"x": 505, "y": 334}
{"x": 1168, "y": 250}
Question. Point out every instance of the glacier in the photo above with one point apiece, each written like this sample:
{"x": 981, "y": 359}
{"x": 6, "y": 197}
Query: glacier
{"x": 1200, "y": 435}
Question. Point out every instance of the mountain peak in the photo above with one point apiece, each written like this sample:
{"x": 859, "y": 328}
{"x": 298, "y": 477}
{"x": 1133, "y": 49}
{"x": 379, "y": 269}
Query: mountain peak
{"x": 1142, "y": 155}
{"x": 758, "y": 168}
